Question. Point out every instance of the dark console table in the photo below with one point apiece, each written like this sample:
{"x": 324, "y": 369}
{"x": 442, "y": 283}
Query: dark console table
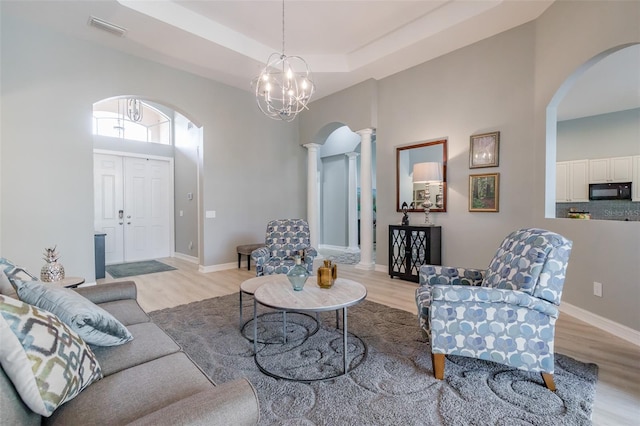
{"x": 411, "y": 247}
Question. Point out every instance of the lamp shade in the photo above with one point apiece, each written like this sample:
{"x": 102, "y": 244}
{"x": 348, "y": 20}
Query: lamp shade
{"x": 427, "y": 172}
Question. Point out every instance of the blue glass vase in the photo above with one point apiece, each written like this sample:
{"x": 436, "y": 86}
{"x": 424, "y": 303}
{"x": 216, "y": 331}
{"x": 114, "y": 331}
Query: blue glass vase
{"x": 298, "y": 275}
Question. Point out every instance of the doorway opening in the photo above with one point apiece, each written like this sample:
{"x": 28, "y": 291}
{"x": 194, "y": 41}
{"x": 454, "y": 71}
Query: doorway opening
{"x": 146, "y": 180}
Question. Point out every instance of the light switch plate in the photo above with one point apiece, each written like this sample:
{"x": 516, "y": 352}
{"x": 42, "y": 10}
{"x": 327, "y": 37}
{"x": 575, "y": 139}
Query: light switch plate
{"x": 210, "y": 214}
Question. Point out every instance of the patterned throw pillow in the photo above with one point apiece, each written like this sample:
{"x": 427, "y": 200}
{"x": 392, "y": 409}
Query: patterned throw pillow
{"x": 47, "y": 362}
{"x": 11, "y": 272}
{"x": 95, "y": 325}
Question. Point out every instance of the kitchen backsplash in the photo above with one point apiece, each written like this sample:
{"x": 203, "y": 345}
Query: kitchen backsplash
{"x": 603, "y": 209}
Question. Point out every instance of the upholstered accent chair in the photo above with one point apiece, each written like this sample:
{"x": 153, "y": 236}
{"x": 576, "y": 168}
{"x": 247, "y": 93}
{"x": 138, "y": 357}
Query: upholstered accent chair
{"x": 285, "y": 238}
{"x": 506, "y": 313}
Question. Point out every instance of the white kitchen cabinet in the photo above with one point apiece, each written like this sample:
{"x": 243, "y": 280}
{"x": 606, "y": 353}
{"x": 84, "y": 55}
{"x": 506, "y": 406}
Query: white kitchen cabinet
{"x": 635, "y": 182}
{"x": 572, "y": 181}
{"x": 606, "y": 170}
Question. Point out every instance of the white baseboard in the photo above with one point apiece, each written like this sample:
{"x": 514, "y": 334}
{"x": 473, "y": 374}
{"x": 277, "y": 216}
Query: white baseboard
{"x": 216, "y": 268}
{"x": 330, "y": 247}
{"x": 617, "y": 329}
{"x": 186, "y": 257}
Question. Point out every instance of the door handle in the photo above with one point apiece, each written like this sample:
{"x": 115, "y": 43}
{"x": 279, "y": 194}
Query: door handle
{"x": 128, "y": 223}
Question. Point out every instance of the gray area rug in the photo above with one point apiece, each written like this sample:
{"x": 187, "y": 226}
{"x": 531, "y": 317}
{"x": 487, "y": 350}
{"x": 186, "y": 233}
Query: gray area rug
{"x": 131, "y": 269}
{"x": 393, "y": 385}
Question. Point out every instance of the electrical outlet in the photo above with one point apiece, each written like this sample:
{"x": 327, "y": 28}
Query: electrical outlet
{"x": 597, "y": 289}
{"x": 190, "y": 245}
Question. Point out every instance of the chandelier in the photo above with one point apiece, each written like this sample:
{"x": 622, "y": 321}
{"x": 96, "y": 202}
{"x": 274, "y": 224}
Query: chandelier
{"x": 284, "y": 86}
{"x": 134, "y": 110}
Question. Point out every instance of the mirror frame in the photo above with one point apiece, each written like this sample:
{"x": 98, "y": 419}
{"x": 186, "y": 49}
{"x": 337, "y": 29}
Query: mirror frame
{"x": 442, "y": 142}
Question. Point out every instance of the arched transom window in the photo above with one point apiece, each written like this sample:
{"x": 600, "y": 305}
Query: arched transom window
{"x": 132, "y": 119}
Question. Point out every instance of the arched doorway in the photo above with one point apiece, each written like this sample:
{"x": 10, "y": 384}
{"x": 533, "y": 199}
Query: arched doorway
{"x": 146, "y": 167}
{"x": 339, "y": 207}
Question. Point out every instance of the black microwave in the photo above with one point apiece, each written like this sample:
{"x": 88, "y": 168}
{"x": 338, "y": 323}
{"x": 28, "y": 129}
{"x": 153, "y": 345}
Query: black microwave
{"x": 610, "y": 191}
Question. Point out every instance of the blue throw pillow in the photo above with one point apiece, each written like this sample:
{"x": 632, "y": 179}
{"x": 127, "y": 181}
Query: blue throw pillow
{"x": 95, "y": 325}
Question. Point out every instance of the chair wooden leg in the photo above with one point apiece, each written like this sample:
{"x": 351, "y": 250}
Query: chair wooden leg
{"x": 548, "y": 381}
{"x": 438, "y": 365}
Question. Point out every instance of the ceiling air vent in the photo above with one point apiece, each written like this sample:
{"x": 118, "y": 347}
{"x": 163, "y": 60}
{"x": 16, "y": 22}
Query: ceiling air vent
{"x": 107, "y": 26}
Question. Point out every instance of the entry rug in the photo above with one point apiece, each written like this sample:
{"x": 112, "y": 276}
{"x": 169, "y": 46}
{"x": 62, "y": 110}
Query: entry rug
{"x": 137, "y": 268}
{"x": 393, "y": 385}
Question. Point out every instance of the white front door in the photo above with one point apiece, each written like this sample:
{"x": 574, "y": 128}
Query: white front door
{"x": 137, "y": 217}
{"x": 146, "y": 201}
{"x": 109, "y": 204}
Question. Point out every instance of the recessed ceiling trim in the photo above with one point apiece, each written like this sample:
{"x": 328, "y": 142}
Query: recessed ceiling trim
{"x": 185, "y": 19}
{"x": 446, "y": 16}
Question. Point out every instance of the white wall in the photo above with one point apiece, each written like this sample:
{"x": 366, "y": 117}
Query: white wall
{"x": 253, "y": 167}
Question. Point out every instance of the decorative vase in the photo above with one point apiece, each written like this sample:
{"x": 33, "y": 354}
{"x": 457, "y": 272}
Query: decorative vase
{"x": 298, "y": 275}
{"x": 327, "y": 274}
{"x": 52, "y": 270}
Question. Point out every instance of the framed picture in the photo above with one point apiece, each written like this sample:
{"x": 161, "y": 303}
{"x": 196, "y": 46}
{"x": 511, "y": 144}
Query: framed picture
{"x": 419, "y": 195}
{"x": 484, "y": 150}
{"x": 484, "y": 192}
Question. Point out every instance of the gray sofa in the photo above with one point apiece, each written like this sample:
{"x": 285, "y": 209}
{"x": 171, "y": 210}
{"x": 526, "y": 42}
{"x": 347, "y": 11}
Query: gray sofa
{"x": 147, "y": 381}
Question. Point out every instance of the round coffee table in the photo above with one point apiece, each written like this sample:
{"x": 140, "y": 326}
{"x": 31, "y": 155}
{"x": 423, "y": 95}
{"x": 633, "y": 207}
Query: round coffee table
{"x": 276, "y": 292}
{"x": 249, "y": 287}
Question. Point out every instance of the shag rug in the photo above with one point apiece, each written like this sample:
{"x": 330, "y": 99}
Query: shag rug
{"x": 393, "y": 384}
{"x": 131, "y": 269}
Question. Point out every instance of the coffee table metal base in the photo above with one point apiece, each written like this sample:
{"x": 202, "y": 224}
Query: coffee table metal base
{"x": 285, "y": 319}
{"x": 346, "y": 368}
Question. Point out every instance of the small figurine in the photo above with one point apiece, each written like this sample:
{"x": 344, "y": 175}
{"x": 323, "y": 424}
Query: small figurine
{"x": 405, "y": 217}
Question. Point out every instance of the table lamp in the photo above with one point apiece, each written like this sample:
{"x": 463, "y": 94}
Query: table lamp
{"x": 427, "y": 173}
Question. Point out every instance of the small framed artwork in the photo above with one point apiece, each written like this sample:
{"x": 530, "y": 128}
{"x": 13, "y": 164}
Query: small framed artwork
{"x": 419, "y": 195}
{"x": 484, "y": 192}
{"x": 484, "y": 150}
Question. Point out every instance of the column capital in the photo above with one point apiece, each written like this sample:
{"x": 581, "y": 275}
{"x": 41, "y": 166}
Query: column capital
{"x": 312, "y": 146}
{"x": 367, "y": 131}
{"x": 351, "y": 154}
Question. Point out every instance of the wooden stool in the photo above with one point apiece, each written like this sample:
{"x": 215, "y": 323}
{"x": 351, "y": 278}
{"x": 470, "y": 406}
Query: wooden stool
{"x": 247, "y": 249}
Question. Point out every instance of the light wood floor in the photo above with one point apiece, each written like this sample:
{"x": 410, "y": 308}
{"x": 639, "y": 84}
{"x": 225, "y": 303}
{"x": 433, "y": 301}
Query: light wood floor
{"x": 618, "y": 390}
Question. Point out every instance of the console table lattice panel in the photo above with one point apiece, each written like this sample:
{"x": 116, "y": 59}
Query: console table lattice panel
{"x": 411, "y": 247}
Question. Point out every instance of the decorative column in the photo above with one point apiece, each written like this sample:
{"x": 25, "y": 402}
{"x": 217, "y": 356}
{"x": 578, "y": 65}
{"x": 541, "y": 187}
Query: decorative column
{"x": 352, "y": 224}
{"x": 366, "y": 201}
{"x": 313, "y": 208}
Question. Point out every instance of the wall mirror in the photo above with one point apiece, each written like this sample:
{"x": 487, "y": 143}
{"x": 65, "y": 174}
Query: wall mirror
{"x": 410, "y": 188}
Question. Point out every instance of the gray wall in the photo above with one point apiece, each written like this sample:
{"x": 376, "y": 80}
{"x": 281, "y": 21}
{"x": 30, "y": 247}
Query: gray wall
{"x": 334, "y": 200}
{"x": 253, "y": 168}
{"x": 504, "y": 84}
{"x": 355, "y": 107}
{"x": 607, "y": 135}
{"x": 568, "y": 35}
{"x": 187, "y": 140}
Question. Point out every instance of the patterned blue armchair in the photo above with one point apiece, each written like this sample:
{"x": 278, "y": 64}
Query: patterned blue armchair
{"x": 285, "y": 238}
{"x": 506, "y": 314}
